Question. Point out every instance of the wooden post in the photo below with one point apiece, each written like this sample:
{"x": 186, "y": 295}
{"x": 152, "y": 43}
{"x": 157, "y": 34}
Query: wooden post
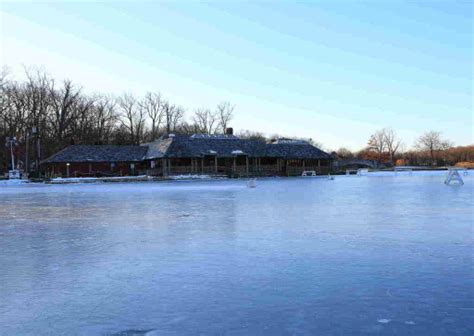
{"x": 234, "y": 168}
{"x": 215, "y": 164}
{"x": 247, "y": 165}
{"x": 90, "y": 168}
{"x": 304, "y": 165}
{"x": 163, "y": 166}
{"x": 202, "y": 165}
{"x": 168, "y": 167}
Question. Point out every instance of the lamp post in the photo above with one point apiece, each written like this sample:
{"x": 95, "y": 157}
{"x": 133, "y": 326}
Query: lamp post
{"x": 10, "y": 142}
{"x": 67, "y": 169}
{"x": 35, "y": 133}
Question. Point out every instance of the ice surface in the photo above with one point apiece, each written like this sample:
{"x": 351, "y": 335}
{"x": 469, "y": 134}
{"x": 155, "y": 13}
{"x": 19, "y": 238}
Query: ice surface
{"x": 302, "y": 256}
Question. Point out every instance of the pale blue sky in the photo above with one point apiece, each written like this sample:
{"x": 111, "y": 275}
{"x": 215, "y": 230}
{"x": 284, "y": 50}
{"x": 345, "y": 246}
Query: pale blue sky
{"x": 334, "y": 71}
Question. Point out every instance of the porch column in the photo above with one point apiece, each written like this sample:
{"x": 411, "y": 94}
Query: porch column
{"x": 234, "y": 165}
{"x": 304, "y": 165}
{"x": 90, "y": 168}
{"x": 168, "y": 168}
{"x": 215, "y": 164}
{"x": 163, "y": 166}
{"x": 202, "y": 165}
{"x": 247, "y": 164}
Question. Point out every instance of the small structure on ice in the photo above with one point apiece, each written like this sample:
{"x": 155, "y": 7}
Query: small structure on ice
{"x": 252, "y": 183}
{"x": 307, "y": 173}
{"x": 453, "y": 177}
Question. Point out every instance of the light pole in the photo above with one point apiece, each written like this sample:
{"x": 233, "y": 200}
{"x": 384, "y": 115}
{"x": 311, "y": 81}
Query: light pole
{"x": 11, "y": 141}
{"x": 36, "y": 135}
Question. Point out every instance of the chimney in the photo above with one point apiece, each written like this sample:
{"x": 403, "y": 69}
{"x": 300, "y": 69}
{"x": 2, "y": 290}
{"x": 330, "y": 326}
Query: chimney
{"x": 229, "y": 131}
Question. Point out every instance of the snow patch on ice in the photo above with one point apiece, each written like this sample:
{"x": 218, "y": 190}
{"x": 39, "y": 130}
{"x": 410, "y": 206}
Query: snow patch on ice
{"x": 13, "y": 182}
{"x": 190, "y": 177}
{"x": 98, "y": 179}
{"x": 384, "y": 320}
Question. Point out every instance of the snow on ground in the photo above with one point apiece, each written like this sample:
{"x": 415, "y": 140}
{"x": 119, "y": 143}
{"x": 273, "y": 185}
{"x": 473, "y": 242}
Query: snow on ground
{"x": 97, "y": 179}
{"x": 417, "y": 173}
{"x": 13, "y": 182}
{"x": 193, "y": 177}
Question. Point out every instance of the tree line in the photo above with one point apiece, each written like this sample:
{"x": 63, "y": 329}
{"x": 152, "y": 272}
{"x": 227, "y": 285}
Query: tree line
{"x": 430, "y": 149}
{"x": 58, "y": 114}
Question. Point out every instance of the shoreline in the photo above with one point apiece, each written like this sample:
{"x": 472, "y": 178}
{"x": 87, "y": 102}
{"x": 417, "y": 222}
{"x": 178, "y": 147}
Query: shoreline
{"x": 206, "y": 177}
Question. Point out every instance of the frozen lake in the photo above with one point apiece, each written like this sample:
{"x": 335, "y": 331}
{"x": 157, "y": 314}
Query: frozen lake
{"x": 385, "y": 255}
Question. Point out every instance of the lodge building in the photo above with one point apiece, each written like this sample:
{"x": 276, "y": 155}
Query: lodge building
{"x": 196, "y": 154}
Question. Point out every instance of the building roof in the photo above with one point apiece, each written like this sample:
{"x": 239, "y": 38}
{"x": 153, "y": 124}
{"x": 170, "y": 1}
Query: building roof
{"x": 99, "y": 153}
{"x": 295, "y": 151}
{"x": 198, "y": 146}
{"x": 230, "y": 146}
{"x": 189, "y": 147}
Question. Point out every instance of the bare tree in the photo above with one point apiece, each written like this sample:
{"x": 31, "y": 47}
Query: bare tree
{"x": 177, "y": 117}
{"x": 82, "y": 125}
{"x": 62, "y": 103}
{"x": 252, "y": 135}
{"x": 173, "y": 116}
{"x": 377, "y": 143}
{"x": 105, "y": 118}
{"x": 187, "y": 128}
{"x": 132, "y": 117}
{"x": 153, "y": 105}
{"x": 345, "y": 153}
{"x": 392, "y": 142}
{"x": 205, "y": 120}
{"x": 225, "y": 113}
{"x": 432, "y": 143}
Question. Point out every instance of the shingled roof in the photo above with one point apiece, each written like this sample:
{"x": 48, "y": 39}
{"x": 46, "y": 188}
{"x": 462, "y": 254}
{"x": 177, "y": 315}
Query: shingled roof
{"x": 230, "y": 146}
{"x": 99, "y": 153}
{"x": 189, "y": 147}
{"x": 295, "y": 151}
{"x": 197, "y": 146}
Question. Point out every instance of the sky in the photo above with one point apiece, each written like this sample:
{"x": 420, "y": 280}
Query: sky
{"x": 334, "y": 71}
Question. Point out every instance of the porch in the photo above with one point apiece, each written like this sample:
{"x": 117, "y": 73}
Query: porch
{"x": 238, "y": 166}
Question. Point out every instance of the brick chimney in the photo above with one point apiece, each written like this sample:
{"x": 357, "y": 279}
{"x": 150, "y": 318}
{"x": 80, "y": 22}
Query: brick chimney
{"x": 229, "y": 131}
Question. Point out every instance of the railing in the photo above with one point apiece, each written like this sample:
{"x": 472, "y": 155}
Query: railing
{"x": 297, "y": 171}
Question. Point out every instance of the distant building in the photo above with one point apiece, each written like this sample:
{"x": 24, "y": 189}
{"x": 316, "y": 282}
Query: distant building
{"x": 195, "y": 154}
